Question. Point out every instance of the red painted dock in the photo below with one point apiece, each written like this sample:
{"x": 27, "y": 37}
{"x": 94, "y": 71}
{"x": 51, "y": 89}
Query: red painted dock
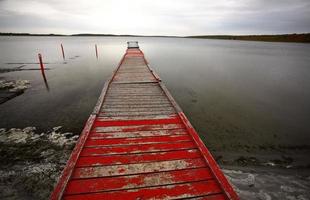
{"x": 138, "y": 144}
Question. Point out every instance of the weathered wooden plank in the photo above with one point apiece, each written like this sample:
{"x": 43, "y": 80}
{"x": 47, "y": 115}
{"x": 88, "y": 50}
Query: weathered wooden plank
{"x": 132, "y": 112}
{"x": 131, "y": 68}
{"x": 96, "y": 135}
{"x": 140, "y": 89}
{"x": 133, "y": 77}
{"x": 136, "y": 104}
{"x": 133, "y": 92}
{"x": 117, "y": 106}
{"x": 138, "y": 62}
{"x": 138, "y": 168}
{"x": 128, "y": 80}
{"x": 133, "y": 128}
{"x": 142, "y": 140}
{"x": 134, "y": 85}
{"x": 130, "y": 149}
{"x": 134, "y": 117}
{"x": 124, "y": 75}
{"x": 140, "y": 85}
{"x": 137, "y": 181}
{"x": 134, "y": 72}
{"x": 136, "y": 101}
{"x": 209, "y": 197}
{"x": 134, "y": 60}
{"x": 134, "y": 63}
{"x": 137, "y": 109}
{"x": 128, "y": 68}
{"x": 135, "y": 97}
{"x": 173, "y": 119}
{"x": 133, "y": 105}
{"x": 137, "y": 158}
{"x": 138, "y": 74}
{"x": 138, "y": 113}
{"x": 161, "y": 192}
{"x": 135, "y": 81}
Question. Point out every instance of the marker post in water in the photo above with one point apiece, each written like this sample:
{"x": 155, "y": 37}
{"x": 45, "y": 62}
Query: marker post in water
{"x": 63, "y": 52}
{"x": 96, "y": 51}
{"x": 43, "y": 72}
{"x": 41, "y": 63}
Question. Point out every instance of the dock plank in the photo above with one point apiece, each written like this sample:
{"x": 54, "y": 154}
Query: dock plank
{"x": 79, "y": 186}
{"x": 137, "y": 158}
{"x": 130, "y": 149}
{"x": 175, "y": 191}
{"x": 140, "y": 140}
{"x": 137, "y": 168}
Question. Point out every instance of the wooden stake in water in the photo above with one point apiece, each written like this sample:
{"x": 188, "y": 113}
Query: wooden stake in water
{"x": 96, "y": 51}
{"x": 41, "y": 63}
{"x": 63, "y": 52}
{"x": 43, "y": 72}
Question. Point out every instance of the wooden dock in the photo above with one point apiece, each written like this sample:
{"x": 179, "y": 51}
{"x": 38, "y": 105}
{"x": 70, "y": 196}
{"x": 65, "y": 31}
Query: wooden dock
{"x": 138, "y": 144}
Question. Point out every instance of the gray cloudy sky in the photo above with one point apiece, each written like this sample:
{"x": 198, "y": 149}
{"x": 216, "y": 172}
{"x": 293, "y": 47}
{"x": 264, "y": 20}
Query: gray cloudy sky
{"x": 155, "y": 17}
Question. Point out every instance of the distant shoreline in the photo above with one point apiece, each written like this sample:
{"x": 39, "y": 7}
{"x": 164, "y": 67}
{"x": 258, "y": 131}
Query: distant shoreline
{"x": 297, "y": 38}
{"x": 300, "y": 38}
{"x": 81, "y": 35}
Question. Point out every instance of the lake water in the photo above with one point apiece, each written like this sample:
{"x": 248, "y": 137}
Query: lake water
{"x": 239, "y": 95}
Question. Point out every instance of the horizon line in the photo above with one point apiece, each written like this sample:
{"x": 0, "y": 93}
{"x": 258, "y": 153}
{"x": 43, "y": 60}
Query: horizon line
{"x": 141, "y": 35}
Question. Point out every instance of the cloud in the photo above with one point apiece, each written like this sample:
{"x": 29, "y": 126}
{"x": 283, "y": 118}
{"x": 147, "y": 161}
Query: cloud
{"x": 160, "y": 17}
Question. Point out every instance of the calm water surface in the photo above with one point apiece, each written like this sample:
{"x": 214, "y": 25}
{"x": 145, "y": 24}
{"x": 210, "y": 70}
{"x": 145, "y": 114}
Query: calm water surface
{"x": 236, "y": 93}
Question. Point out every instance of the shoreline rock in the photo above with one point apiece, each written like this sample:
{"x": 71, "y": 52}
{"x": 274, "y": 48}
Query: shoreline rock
{"x": 32, "y": 162}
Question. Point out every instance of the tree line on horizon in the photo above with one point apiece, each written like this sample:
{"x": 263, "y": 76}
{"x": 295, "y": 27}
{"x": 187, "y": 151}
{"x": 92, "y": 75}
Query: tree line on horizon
{"x": 295, "y": 37}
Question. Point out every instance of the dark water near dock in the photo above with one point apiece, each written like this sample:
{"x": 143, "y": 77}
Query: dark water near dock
{"x": 248, "y": 97}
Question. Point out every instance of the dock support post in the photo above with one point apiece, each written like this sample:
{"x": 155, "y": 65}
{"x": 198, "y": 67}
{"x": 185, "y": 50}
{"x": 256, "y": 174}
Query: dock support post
{"x": 63, "y": 52}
